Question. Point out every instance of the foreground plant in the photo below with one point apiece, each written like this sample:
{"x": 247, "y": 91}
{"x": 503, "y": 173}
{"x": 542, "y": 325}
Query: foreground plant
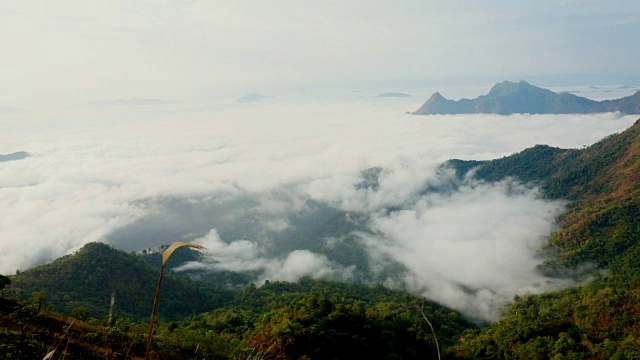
{"x": 165, "y": 257}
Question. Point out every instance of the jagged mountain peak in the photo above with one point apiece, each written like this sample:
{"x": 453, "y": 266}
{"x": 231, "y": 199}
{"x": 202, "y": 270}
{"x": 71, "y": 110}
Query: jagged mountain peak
{"x": 436, "y": 97}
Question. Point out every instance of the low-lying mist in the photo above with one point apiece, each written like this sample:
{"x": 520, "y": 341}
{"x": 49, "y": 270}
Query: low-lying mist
{"x": 350, "y": 191}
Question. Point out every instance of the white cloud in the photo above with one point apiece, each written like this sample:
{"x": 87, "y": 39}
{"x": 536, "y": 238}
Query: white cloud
{"x": 244, "y": 256}
{"x": 479, "y": 240}
{"x": 92, "y": 174}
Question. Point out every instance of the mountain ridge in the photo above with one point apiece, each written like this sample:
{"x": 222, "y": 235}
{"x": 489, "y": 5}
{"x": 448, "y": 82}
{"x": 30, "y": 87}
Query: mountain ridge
{"x": 509, "y": 98}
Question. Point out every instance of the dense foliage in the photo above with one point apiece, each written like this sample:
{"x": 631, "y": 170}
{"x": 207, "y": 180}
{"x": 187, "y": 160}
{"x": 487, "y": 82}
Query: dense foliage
{"x": 591, "y": 322}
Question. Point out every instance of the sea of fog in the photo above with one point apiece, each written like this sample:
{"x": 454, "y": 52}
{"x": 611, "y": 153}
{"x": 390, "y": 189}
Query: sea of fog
{"x": 348, "y": 190}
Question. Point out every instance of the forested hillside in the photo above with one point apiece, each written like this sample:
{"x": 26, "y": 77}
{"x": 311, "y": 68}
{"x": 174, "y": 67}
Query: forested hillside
{"x": 318, "y": 319}
{"x": 97, "y": 272}
{"x": 599, "y": 235}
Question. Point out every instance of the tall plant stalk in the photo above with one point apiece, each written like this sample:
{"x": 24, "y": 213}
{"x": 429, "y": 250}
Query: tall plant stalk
{"x": 431, "y": 326}
{"x": 165, "y": 257}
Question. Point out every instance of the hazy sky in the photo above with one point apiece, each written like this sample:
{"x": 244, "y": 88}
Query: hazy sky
{"x": 79, "y": 51}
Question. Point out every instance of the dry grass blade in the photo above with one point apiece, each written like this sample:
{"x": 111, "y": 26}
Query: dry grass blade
{"x": 165, "y": 257}
{"x": 167, "y": 253}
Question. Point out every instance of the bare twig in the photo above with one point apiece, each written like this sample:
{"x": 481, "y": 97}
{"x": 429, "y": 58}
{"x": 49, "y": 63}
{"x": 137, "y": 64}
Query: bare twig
{"x": 431, "y": 326}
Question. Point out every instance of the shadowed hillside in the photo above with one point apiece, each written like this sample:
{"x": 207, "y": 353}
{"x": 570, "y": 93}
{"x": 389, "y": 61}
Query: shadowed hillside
{"x": 90, "y": 277}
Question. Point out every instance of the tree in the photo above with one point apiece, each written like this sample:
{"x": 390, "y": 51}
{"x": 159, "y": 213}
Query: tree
{"x": 38, "y": 300}
{"x": 80, "y": 312}
{"x": 4, "y": 281}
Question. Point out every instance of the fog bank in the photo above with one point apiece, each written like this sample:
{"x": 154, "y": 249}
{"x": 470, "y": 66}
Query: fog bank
{"x": 350, "y": 191}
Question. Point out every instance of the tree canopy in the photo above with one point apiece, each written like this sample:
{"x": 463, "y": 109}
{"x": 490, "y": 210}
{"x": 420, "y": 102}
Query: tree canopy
{"x": 4, "y": 281}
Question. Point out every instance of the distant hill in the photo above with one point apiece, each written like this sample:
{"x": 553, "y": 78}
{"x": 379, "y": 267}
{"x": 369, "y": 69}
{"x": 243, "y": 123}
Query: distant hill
{"x": 14, "y": 156}
{"x": 511, "y": 98}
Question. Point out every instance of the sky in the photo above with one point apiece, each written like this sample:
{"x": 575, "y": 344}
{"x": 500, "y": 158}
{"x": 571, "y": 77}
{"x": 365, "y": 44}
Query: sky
{"x": 74, "y": 52}
{"x": 128, "y": 111}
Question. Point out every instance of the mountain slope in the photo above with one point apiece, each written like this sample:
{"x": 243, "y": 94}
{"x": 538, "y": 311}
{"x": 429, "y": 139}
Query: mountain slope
{"x": 90, "y": 277}
{"x": 601, "y": 228}
{"x": 509, "y": 98}
{"x": 626, "y": 105}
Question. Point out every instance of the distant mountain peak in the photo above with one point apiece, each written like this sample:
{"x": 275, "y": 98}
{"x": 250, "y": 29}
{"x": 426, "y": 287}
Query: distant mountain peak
{"x": 14, "y": 156}
{"x": 436, "y": 96}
